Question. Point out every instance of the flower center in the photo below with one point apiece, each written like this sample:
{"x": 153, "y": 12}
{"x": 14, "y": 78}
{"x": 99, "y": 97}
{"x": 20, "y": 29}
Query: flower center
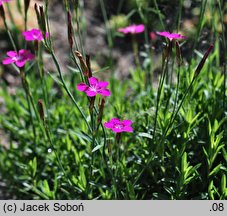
{"x": 93, "y": 88}
{"x": 118, "y": 126}
{"x": 17, "y": 58}
{"x": 35, "y": 36}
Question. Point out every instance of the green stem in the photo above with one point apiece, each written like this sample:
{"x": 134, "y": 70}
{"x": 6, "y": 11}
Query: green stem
{"x": 30, "y": 111}
{"x": 179, "y": 15}
{"x": 135, "y": 51}
{"x": 166, "y": 131}
{"x": 41, "y": 74}
{"x": 224, "y": 52}
{"x": 201, "y": 17}
{"x": 160, "y": 86}
{"x": 47, "y": 132}
{"x": 108, "y": 31}
{"x": 159, "y": 14}
{"x": 10, "y": 35}
{"x": 67, "y": 90}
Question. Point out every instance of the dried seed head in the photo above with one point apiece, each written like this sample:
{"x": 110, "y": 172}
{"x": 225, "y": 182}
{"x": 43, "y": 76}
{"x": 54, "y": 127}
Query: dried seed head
{"x": 83, "y": 65}
{"x": 41, "y": 109}
{"x": 88, "y": 66}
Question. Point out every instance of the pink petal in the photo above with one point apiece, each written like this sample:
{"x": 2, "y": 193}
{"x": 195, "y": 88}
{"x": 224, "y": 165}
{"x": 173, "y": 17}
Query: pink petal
{"x": 7, "y": 61}
{"x": 102, "y": 84}
{"x": 165, "y": 34}
{"x": 108, "y": 125}
{"x": 126, "y": 122}
{"x": 93, "y": 80}
{"x": 30, "y": 56}
{"x": 33, "y": 34}
{"x": 115, "y": 121}
{"x": 117, "y": 130}
{"x": 11, "y": 53}
{"x": 123, "y": 30}
{"x": 82, "y": 87}
{"x": 139, "y": 28}
{"x": 128, "y": 129}
{"x": 104, "y": 92}
{"x": 20, "y": 63}
{"x": 133, "y": 29}
{"x": 22, "y": 52}
{"x": 90, "y": 93}
{"x": 171, "y": 36}
{"x": 28, "y": 37}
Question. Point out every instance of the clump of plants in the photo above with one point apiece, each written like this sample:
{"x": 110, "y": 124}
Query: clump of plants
{"x": 79, "y": 135}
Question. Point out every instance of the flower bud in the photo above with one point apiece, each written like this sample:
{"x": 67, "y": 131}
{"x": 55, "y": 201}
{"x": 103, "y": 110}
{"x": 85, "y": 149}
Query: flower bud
{"x": 101, "y": 108}
{"x": 37, "y": 14}
{"x": 42, "y": 20}
{"x": 202, "y": 62}
{"x": 88, "y": 66}
{"x": 70, "y": 29}
{"x": 41, "y": 110}
{"x": 92, "y": 104}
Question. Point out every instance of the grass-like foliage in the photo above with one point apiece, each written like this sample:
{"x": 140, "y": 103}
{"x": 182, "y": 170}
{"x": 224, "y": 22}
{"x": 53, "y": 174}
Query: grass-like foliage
{"x": 79, "y": 134}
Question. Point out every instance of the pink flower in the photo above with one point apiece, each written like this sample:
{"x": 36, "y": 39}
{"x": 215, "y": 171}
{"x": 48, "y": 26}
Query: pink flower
{"x": 119, "y": 126}
{"x": 96, "y": 87}
{"x": 19, "y": 58}
{"x": 1, "y": 1}
{"x": 33, "y": 34}
{"x": 171, "y": 36}
{"x": 132, "y": 29}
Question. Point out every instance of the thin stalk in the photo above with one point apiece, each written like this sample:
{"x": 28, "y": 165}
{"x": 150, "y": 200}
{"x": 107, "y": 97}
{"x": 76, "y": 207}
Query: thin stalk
{"x": 79, "y": 33}
{"x": 28, "y": 92}
{"x": 178, "y": 109}
{"x": 67, "y": 90}
{"x": 41, "y": 74}
{"x": 201, "y": 17}
{"x": 10, "y": 15}
{"x": 119, "y": 7}
{"x": 47, "y": 132}
{"x": 177, "y": 91}
{"x": 108, "y": 31}
{"x": 224, "y": 52}
{"x": 10, "y": 35}
{"x": 166, "y": 131}
{"x": 179, "y": 15}
{"x": 159, "y": 14}
{"x": 30, "y": 111}
{"x": 149, "y": 72}
{"x": 93, "y": 143}
{"x": 117, "y": 147}
{"x": 103, "y": 151}
{"x": 135, "y": 51}
{"x": 160, "y": 86}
